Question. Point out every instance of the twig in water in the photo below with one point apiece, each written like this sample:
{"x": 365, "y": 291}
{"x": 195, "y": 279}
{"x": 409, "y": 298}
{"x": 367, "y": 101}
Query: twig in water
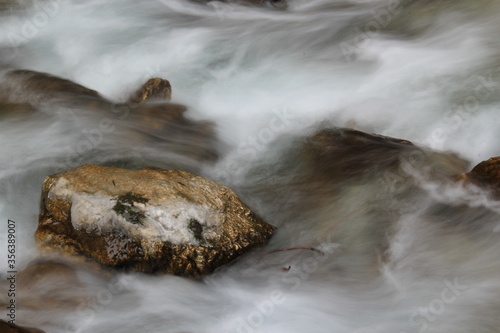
{"x": 295, "y": 248}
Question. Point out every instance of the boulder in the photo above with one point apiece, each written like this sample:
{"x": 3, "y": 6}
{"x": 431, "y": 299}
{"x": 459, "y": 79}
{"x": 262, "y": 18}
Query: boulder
{"x": 148, "y": 220}
{"x": 344, "y": 153}
{"x": 154, "y": 89}
{"x": 10, "y": 328}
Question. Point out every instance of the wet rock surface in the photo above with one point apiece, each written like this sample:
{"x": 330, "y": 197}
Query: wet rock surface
{"x": 9, "y": 328}
{"x": 486, "y": 174}
{"x": 348, "y": 154}
{"x": 149, "y": 220}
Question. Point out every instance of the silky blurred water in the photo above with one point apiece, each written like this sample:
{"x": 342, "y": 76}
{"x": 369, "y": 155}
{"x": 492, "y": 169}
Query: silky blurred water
{"x": 422, "y": 260}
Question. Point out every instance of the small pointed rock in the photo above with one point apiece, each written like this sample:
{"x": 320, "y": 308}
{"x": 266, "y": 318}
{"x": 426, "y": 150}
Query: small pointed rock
{"x": 154, "y": 89}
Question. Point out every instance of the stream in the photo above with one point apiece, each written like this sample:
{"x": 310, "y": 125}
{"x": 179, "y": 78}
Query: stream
{"x": 398, "y": 250}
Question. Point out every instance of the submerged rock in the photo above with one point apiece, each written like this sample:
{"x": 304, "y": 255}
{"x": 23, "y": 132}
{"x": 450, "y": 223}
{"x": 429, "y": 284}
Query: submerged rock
{"x": 9, "y": 328}
{"x": 280, "y": 4}
{"x": 9, "y": 111}
{"x": 149, "y": 220}
{"x": 347, "y": 153}
{"x": 46, "y": 283}
{"x": 23, "y": 92}
{"x": 37, "y": 88}
{"x": 42, "y": 90}
{"x": 343, "y": 153}
{"x": 274, "y": 3}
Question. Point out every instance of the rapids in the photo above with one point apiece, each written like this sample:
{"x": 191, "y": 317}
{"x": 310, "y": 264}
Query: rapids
{"x": 398, "y": 255}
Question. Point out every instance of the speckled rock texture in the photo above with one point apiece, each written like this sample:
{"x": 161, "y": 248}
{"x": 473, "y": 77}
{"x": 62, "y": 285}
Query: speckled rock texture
{"x": 154, "y": 89}
{"x": 149, "y": 220}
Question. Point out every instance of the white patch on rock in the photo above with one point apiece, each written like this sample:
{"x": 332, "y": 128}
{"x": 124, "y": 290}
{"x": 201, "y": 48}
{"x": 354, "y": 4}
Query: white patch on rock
{"x": 163, "y": 221}
{"x": 62, "y": 189}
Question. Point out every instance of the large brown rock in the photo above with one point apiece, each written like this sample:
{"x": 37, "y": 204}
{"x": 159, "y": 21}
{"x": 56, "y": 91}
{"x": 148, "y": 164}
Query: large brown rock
{"x": 148, "y": 220}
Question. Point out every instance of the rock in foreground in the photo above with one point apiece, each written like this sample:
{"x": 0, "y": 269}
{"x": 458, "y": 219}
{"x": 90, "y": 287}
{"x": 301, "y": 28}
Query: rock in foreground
{"x": 149, "y": 220}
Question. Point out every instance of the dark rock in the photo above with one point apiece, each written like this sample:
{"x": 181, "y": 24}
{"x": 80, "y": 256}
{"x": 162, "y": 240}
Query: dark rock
{"x": 343, "y": 153}
{"x": 486, "y": 174}
{"x": 41, "y": 89}
{"x": 148, "y": 220}
{"x": 36, "y": 88}
{"x": 348, "y": 153}
{"x": 280, "y": 4}
{"x": 16, "y": 110}
{"x": 9, "y": 328}
{"x": 274, "y": 3}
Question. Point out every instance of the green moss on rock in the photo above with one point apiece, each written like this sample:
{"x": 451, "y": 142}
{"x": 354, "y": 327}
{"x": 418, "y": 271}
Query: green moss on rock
{"x": 125, "y": 207}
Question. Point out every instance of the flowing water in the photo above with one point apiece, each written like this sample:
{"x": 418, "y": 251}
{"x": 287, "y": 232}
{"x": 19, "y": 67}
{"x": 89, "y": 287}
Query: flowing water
{"x": 399, "y": 250}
